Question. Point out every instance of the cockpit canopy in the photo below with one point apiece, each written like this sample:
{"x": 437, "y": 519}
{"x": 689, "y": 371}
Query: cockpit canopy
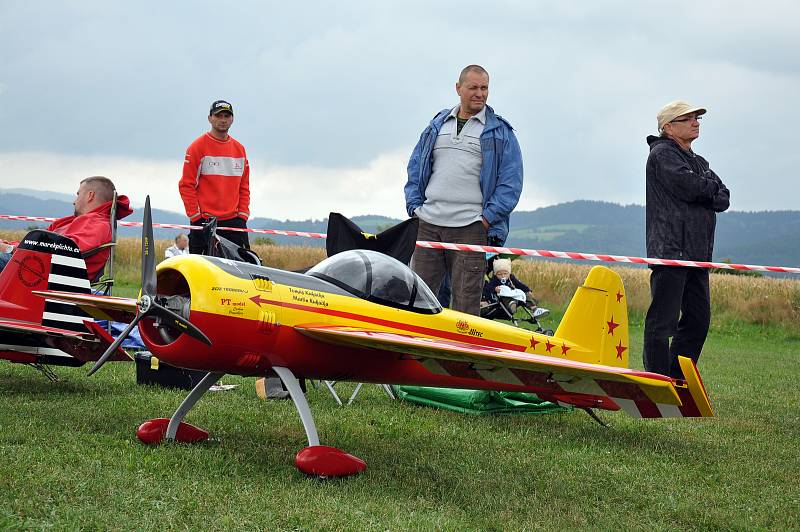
{"x": 377, "y": 277}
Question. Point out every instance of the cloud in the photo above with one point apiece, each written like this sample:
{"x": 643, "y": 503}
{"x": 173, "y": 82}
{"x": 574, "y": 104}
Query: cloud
{"x": 334, "y": 96}
{"x": 281, "y": 192}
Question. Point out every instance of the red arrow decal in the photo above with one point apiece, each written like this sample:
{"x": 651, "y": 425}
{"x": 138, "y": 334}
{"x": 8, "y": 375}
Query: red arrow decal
{"x": 257, "y": 300}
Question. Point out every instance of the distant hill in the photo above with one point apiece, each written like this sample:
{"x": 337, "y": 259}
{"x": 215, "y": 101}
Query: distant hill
{"x": 36, "y": 203}
{"x": 766, "y": 237}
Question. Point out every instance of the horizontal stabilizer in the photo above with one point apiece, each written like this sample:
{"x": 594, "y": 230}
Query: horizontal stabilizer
{"x": 119, "y": 309}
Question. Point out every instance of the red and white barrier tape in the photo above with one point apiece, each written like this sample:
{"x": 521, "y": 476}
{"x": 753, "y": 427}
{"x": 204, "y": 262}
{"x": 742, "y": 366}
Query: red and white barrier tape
{"x": 473, "y": 247}
{"x": 605, "y": 258}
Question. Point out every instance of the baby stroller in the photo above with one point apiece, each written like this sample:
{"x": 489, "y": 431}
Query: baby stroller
{"x": 508, "y": 298}
{"x": 502, "y": 307}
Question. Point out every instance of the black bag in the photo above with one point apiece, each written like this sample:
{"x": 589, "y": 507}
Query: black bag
{"x": 150, "y": 370}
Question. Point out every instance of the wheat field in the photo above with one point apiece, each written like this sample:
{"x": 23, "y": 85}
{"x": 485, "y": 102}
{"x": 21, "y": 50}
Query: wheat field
{"x": 758, "y": 300}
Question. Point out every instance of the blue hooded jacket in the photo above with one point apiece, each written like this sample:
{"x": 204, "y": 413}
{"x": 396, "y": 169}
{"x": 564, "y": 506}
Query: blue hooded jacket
{"x": 501, "y": 171}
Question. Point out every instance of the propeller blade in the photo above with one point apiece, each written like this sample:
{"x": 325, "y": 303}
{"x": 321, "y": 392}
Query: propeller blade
{"x": 113, "y": 347}
{"x": 180, "y": 323}
{"x": 148, "y": 252}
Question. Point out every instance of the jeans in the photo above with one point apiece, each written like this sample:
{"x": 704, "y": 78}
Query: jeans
{"x": 681, "y": 309}
{"x": 466, "y": 268}
{"x": 5, "y": 258}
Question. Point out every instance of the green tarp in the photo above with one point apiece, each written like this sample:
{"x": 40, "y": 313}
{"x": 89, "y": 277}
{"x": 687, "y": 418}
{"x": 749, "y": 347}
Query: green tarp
{"x": 477, "y": 401}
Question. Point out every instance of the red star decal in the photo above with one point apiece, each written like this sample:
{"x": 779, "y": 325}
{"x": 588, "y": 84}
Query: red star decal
{"x": 549, "y": 346}
{"x": 619, "y": 296}
{"x": 564, "y": 349}
{"x": 611, "y": 326}
{"x": 534, "y": 341}
{"x": 620, "y": 349}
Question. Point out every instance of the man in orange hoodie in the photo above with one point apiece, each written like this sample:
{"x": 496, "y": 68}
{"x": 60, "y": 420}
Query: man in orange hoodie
{"x": 216, "y": 181}
{"x": 90, "y": 225}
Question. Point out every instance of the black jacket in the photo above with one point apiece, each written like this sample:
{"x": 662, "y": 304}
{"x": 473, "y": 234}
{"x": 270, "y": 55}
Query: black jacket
{"x": 683, "y": 197}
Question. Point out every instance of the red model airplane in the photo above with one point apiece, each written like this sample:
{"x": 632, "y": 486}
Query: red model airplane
{"x": 363, "y": 316}
{"x": 45, "y": 332}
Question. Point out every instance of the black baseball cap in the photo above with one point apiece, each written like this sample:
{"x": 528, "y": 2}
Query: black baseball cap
{"x": 219, "y": 106}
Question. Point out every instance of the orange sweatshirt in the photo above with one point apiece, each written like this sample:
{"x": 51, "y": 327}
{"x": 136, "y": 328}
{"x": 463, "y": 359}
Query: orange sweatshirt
{"x": 216, "y": 179}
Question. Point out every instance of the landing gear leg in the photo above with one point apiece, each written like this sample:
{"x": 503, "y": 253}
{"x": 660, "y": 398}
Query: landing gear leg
{"x": 197, "y": 392}
{"x": 174, "y": 429}
{"x": 316, "y": 460}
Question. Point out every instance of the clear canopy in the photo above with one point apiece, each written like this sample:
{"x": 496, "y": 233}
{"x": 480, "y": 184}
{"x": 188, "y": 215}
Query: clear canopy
{"x": 377, "y": 277}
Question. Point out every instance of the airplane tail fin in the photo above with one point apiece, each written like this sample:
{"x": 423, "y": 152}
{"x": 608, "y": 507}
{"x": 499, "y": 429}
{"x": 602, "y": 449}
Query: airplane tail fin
{"x": 597, "y": 317}
{"x": 44, "y": 261}
{"x": 398, "y": 241}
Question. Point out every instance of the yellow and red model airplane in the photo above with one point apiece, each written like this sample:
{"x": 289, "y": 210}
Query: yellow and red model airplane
{"x": 363, "y": 316}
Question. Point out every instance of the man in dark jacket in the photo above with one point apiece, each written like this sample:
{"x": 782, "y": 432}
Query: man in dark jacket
{"x": 683, "y": 197}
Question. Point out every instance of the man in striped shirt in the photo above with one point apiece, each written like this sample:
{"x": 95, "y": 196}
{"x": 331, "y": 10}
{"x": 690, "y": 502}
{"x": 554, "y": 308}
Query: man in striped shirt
{"x": 216, "y": 181}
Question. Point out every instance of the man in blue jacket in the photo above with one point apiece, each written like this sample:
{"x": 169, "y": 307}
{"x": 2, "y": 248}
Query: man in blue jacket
{"x": 464, "y": 179}
{"x": 683, "y": 198}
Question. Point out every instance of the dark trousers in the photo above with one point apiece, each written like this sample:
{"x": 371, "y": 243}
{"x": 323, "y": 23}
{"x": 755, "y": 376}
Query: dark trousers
{"x": 466, "y": 268}
{"x": 198, "y": 245}
{"x": 681, "y": 309}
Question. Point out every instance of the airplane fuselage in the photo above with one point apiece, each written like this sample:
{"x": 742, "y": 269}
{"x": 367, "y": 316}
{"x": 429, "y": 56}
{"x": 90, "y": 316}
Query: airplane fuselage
{"x": 253, "y": 314}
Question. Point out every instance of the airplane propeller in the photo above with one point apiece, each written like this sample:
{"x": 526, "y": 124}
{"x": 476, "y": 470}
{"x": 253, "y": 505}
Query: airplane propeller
{"x": 147, "y": 306}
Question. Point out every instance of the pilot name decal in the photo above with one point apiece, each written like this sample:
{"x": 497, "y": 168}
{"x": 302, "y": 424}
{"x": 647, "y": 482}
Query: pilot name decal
{"x": 234, "y": 307}
{"x": 226, "y": 289}
{"x": 312, "y": 297}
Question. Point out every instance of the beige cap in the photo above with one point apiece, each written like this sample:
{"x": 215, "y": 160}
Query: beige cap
{"x": 673, "y": 110}
{"x": 501, "y": 265}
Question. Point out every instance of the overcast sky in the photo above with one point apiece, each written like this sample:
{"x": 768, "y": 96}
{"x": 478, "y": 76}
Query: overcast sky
{"x": 330, "y": 97}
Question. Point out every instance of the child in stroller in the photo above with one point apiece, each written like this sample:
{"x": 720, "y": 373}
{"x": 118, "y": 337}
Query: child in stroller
{"x": 504, "y": 294}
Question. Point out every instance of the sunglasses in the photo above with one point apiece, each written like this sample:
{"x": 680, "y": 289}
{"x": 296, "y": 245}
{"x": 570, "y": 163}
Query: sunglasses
{"x": 698, "y": 118}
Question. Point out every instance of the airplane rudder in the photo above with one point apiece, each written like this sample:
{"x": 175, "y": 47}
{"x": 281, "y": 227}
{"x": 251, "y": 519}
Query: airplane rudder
{"x": 41, "y": 261}
{"x": 597, "y": 317}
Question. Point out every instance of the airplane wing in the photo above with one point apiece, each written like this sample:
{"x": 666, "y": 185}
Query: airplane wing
{"x": 639, "y": 393}
{"x": 120, "y": 309}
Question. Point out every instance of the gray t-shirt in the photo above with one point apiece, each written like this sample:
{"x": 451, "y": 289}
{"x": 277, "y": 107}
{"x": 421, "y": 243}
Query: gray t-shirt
{"x": 453, "y": 197}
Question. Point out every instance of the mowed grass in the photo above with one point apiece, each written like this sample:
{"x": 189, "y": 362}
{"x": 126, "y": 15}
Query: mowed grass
{"x": 69, "y": 457}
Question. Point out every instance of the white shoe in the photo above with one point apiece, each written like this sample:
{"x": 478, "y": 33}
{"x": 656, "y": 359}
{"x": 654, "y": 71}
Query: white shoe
{"x": 222, "y": 387}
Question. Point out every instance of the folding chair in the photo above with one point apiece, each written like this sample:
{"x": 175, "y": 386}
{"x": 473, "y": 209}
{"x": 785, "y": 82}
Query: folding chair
{"x": 104, "y": 282}
{"x": 330, "y": 386}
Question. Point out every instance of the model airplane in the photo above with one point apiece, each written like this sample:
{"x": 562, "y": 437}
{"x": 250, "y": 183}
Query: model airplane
{"x": 363, "y": 316}
{"x": 44, "y": 332}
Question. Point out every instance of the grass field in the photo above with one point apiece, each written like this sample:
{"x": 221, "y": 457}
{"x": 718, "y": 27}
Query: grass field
{"x": 69, "y": 457}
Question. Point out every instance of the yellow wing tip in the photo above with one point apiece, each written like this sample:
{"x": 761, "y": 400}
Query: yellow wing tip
{"x": 696, "y": 387}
